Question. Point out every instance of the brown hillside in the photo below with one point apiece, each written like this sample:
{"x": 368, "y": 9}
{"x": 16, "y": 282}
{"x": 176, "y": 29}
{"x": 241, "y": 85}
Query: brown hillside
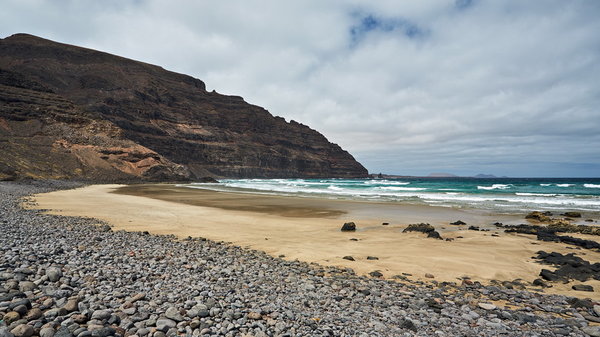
{"x": 67, "y": 111}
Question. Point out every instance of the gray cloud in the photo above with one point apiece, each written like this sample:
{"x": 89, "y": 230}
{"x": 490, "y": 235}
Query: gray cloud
{"x": 412, "y": 87}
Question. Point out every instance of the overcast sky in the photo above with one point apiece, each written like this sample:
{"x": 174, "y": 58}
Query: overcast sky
{"x": 408, "y": 87}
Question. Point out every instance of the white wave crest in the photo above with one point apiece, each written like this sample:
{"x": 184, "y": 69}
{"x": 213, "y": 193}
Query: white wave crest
{"x": 536, "y": 194}
{"x": 385, "y": 182}
{"x": 397, "y": 188}
{"x": 494, "y": 187}
{"x": 591, "y": 185}
{"x": 564, "y": 185}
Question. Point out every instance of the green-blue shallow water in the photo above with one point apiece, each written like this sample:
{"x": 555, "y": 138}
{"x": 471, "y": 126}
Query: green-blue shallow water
{"x": 506, "y": 195}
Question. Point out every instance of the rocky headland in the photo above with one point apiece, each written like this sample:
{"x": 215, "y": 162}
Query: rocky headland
{"x": 68, "y": 276}
{"x": 71, "y": 112}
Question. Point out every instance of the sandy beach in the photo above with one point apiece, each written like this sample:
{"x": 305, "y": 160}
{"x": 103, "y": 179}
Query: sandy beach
{"x": 308, "y": 229}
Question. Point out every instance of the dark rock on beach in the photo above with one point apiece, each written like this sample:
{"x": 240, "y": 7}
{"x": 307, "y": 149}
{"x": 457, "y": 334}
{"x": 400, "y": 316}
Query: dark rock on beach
{"x": 458, "y": 223}
{"x": 582, "y": 287}
{"x": 568, "y": 266}
{"x": 423, "y": 228}
{"x": 348, "y": 227}
{"x": 435, "y": 235}
{"x": 538, "y": 216}
{"x": 548, "y": 233}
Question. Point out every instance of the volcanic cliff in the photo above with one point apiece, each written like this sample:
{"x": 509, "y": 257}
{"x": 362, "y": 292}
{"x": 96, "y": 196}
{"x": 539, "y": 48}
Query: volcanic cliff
{"x": 71, "y": 112}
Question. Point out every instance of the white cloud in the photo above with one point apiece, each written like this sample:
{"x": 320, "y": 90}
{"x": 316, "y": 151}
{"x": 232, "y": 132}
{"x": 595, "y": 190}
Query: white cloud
{"x": 506, "y": 87}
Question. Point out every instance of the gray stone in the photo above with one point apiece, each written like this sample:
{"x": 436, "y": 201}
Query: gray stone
{"x": 63, "y": 332}
{"x": 164, "y": 324}
{"x": 486, "y": 306}
{"x": 47, "y": 332}
{"x": 103, "y": 332}
{"x": 5, "y": 333}
{"x": 593, "y": 331}
{"x": 27, "y": 286}
{"x": 101, "y": 314}
{"x": 174, "y": 314}
{"x": 192, "y": 313}
{"x": 54, "y": 274}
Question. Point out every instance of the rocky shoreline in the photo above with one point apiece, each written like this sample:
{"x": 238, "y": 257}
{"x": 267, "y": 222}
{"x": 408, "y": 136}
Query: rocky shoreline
{"x": 76, "y": 277}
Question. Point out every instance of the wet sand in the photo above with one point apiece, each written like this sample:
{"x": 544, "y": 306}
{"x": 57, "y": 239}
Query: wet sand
{"x": 308, "y": 229}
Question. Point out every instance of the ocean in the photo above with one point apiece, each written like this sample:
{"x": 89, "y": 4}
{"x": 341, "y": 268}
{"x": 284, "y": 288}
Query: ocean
{"x": 503, "y": 195}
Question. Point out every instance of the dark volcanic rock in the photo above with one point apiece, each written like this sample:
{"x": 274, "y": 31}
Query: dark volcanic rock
{"x": 435, "y": 235}
{"x": 548, "y": 233}
{"x": 420, "y": 227}
{"x": 539, "y": 216}
{"x": 458, "y": 223}
{"x": 423, "y": 228}
{"x": 569, "y": 267}
{"x": 349, "y": 227}
{"x": 582, "y": 287}
{"x": 73, "y": 112}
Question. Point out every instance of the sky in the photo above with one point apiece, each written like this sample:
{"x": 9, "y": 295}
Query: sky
{"x": 503, "y": 87}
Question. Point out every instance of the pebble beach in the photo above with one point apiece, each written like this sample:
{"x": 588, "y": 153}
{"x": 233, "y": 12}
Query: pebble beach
{"x": 65, "y": 276}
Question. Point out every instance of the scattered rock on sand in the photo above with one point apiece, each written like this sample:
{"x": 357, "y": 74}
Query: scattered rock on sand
{"x": 372, "y": 258}
{"x": 569, "y": 267}
{"x": 458, "y": 223}
{"x": 435, "y": 235}
{"x": 582, "y": 287}
{"x": 428, "y": 275}
{"x": 423, "y": 228}
{"x": 385, "y": 224}
{"x": 539, "y": 216}
{"x": 349, "y": 227}
{"x": 376, "y": 273}
{"x": 572, "y": 214}
{"x": 348, "y": 257}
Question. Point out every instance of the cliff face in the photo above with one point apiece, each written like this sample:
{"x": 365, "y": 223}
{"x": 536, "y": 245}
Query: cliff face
{"x": 132, "y": 119}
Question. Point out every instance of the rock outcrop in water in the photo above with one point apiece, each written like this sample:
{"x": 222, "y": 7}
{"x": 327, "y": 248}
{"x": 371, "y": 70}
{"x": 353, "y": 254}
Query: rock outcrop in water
{"x": 71, "y": 112}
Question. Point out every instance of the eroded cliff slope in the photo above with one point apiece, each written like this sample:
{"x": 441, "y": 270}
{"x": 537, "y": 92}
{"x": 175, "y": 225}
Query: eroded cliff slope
{"x": 67, "y": 111}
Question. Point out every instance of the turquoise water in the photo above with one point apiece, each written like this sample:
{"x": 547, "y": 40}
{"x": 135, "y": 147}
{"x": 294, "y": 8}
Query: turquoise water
{"x": 500, "y": 194}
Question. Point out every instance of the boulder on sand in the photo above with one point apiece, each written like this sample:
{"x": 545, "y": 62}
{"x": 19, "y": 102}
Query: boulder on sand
{"x": 349, "y": 227}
